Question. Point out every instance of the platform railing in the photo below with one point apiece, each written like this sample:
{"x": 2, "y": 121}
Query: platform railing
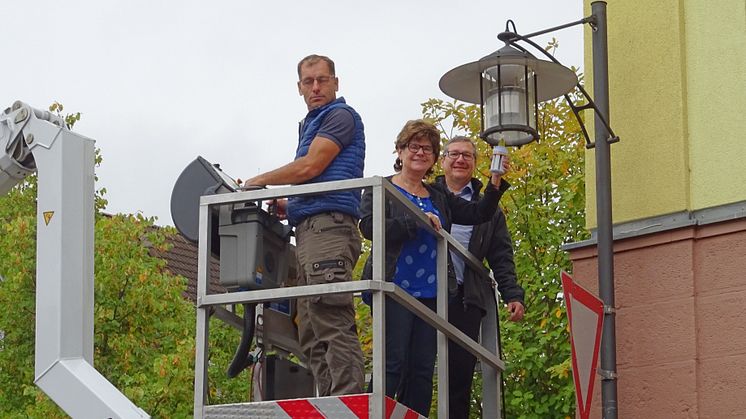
{"x": 487, "y": 352}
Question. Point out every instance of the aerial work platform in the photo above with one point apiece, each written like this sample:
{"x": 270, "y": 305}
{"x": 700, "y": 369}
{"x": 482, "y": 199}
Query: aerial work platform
{"x": 373, "y": 405}
{"x": 37, "y": 141}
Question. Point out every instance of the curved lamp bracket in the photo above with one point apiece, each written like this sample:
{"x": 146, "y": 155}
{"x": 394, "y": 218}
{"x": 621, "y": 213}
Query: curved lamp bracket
{"x": 512, "y": 38}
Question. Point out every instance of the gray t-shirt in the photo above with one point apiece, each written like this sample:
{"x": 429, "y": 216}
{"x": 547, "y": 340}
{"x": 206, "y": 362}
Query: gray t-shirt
{"x": 339, "y": 126}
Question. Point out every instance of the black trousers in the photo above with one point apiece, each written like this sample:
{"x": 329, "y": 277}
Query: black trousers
{"x": 461, "y": 362}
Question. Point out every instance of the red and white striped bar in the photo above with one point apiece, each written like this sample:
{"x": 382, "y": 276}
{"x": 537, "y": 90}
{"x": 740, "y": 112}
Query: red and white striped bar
{"x": 337, "y": 407}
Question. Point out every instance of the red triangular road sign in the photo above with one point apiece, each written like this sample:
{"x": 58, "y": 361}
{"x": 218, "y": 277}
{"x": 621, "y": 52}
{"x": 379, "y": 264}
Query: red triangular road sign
{"x": 586, "y": 314}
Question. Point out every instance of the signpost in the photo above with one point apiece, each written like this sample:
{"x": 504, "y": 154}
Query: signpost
{"x": 586, "y": 314}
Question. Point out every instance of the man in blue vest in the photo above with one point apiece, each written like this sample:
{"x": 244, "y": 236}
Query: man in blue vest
{"x": 490, "y": 241}
{"x": 331, "y": 147}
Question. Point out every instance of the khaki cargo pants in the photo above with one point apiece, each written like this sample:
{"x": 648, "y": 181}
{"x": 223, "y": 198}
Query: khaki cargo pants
{"x": 327, "y": 248}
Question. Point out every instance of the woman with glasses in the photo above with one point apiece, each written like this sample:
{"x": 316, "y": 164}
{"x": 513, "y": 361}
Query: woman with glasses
{"x": 411, "y": 255}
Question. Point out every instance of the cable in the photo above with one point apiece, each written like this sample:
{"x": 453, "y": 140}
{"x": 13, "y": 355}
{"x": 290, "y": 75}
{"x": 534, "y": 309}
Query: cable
{"x": 242, "y": 357}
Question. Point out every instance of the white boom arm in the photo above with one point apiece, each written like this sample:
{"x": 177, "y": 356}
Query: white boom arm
{"x": 33, "y": 140}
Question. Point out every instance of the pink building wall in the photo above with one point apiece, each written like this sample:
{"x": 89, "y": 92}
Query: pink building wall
{"x": 680, "y": 323}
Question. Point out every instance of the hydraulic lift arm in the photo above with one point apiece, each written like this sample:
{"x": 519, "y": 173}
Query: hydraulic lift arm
{"x": 33, "y": 140}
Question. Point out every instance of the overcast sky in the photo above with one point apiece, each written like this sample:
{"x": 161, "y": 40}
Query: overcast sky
{"x": 159, "y": 83}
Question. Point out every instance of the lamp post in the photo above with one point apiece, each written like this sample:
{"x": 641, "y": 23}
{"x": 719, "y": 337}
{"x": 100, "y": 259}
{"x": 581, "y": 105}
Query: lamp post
{"x": 508, "y": 85}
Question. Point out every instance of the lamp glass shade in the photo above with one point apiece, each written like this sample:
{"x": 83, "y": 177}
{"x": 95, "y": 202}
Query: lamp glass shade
{"x": 509, "y": 107}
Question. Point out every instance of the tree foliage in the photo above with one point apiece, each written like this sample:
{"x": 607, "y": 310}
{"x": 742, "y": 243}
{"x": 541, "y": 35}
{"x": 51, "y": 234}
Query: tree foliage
{"x": 144, "y": 327}
{"x": 544, "y": 209}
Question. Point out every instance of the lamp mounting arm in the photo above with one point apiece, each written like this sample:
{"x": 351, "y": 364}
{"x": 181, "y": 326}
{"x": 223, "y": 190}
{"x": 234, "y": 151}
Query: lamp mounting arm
{"x": 512, "y": 38}
{"x": 509, "y": 36}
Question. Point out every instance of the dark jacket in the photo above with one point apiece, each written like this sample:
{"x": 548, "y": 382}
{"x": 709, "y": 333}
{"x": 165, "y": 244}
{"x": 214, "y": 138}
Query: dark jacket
{"x": 491, "y": 241}
{"x": 401, "y": 225}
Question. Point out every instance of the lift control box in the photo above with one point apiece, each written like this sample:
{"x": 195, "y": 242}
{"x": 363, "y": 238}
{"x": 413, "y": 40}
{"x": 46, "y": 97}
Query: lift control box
{"x": 253, "y": 248}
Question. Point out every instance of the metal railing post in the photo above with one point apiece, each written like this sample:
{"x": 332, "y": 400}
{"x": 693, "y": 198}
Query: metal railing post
{"x": 203, "y": 316}
{"x": 491, "y": 377}
{"x": 378, "y": 252}
{"x": 442, "y": 301}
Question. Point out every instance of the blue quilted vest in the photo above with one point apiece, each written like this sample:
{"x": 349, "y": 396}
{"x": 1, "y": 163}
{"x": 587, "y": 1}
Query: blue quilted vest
{"x": 348, "y": 164}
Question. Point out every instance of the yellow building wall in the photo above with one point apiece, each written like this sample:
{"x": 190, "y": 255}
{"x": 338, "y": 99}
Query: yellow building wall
{"x": 677, "y": 87}
{"x": 716, "y": 80}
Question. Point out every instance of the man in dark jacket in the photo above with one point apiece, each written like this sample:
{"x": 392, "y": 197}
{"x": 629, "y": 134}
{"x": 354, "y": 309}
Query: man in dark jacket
{"x": 490, "y": 241}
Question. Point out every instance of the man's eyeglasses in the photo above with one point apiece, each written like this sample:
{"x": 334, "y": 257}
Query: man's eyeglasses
{"x": 414, "y": 148}
{"x": 308, "y": 81}
{"x": 455, "y": 155}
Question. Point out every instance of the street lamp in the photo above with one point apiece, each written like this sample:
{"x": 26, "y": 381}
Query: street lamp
{"x": 508, "y": 85}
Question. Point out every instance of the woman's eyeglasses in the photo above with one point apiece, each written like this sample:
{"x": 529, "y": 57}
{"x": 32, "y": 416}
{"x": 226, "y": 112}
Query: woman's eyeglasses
{"x": 414, "y": 148}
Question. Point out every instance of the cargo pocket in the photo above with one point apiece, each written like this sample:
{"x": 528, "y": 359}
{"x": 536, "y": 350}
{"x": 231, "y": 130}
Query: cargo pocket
{"x": 329, "y": 272}
{"x": 330, "y": 223}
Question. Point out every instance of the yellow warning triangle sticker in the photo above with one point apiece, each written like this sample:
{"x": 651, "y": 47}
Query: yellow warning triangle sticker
{"x": 48, "y": 216}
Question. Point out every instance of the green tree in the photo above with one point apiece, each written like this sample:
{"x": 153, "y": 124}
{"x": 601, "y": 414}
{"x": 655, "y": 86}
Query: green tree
{"x": 544, "y": 209}
{"x": 144, "y": 328}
